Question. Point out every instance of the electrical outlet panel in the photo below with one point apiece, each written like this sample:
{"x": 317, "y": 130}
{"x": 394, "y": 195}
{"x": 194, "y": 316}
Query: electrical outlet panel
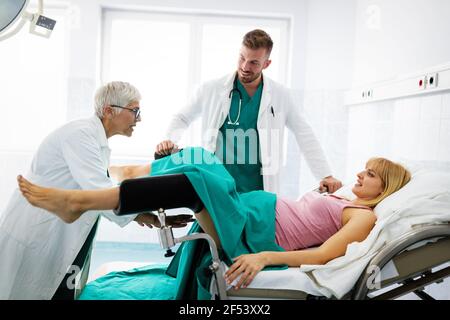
{"x": 367, "y": 94}
{"x": 432, "y": 80}
{"x": 422, "y": 82}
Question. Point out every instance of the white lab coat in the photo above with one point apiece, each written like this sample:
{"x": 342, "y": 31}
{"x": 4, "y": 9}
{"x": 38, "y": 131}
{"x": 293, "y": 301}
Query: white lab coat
{"x": 211, "y": 102}
{"x": 36, "y": 247}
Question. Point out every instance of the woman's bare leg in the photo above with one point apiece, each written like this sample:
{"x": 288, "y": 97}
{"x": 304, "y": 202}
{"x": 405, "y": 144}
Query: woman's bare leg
{"x": 68, "y": 205}
{"x": 205, "y": 221}
{"x": 121, "y": 173}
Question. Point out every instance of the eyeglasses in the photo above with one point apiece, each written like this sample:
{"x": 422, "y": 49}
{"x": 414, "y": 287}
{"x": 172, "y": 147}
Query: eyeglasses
{"x": 136, "y": 111}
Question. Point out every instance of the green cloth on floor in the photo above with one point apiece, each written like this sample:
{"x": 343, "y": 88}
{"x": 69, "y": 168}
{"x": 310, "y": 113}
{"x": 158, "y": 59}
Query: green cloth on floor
{"x": 244, "y": 222}
{"x": 145, "y": 283}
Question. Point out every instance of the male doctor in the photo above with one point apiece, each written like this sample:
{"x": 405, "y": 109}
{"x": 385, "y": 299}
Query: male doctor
{"x": 41, "y": 257}
{"x": 243, "y": 120}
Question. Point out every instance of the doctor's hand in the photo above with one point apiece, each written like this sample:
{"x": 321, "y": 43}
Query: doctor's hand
{"x": 146, "y": 219}
{"x": 330, "y": 184}
{"x": 166, "y": 147}
{"x": 151, "y": 220}
{"x": 247, "y": 266}
{"x": 176, "y": 221}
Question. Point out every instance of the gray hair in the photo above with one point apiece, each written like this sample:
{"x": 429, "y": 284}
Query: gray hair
{"x": 115, "y": 93}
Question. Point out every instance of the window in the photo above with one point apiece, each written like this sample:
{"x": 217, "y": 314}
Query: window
{"x": 167, "y": 55}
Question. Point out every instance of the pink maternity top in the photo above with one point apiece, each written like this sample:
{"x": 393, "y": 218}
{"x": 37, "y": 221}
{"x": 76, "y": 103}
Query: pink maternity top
{"x": 309, "y": 221}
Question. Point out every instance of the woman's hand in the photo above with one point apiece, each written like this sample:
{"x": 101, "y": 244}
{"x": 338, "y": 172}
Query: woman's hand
{"x": 246, "y": 265}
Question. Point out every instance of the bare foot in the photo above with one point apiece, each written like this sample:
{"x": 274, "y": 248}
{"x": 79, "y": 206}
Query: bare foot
{"x": 59, "y": 202}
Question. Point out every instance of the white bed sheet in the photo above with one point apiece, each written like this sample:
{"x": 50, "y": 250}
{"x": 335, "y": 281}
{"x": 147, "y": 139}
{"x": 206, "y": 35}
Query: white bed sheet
{"x": 295, "y": 279}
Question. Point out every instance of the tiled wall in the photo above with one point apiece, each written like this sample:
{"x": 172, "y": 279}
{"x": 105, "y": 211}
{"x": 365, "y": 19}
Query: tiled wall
{"x": 327, "y": 115}
{"x": 415, "y": 128}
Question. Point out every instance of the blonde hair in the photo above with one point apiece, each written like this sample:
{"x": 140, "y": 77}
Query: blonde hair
{"x": 393, "y": 176}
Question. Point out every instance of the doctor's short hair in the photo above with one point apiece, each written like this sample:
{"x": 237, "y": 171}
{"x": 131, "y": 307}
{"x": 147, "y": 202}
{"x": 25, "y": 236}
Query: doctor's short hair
{"x": 115, "y": 93}
{"x": 257, "y": 39}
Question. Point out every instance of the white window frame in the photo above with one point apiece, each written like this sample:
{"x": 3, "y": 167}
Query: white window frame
{"x": 197, "y": 21}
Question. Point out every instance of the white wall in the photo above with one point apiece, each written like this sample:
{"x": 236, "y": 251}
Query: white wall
{"x": 329, "y": 62}
{"x": 398, "y": 42}
{"x": 395, "y": 37}
{"x": 416, "y": 128}
{"x": 349, "y": 43}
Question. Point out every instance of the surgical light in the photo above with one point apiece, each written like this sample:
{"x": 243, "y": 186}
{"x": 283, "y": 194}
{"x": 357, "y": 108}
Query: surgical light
{"x": 13, "y": 16}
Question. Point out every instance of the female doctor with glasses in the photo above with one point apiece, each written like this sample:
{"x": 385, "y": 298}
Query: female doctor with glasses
{"x": 40, "y": 256}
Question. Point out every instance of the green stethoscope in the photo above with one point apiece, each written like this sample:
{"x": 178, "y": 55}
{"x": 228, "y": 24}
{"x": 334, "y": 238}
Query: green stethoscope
{"x": 235, "y": 89}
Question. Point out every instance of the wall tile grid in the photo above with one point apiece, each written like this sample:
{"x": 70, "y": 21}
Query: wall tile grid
{"x": 416, "y": 128}
{"x": 328, "y": 117}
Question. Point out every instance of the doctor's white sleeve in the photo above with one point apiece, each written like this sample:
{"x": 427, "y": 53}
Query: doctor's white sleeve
{"x": 83, "y": 157}
{"x": 184, "y": 117}
{"x": 307, "y": 142}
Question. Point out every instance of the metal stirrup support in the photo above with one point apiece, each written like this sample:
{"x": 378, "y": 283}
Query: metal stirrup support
{"x": 167, "y": 241}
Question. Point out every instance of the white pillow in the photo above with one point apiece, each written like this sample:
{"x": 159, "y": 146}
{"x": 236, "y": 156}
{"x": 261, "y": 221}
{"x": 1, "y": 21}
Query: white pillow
{"x": 415, "y": 166}
{"x": 426, "y": 182}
